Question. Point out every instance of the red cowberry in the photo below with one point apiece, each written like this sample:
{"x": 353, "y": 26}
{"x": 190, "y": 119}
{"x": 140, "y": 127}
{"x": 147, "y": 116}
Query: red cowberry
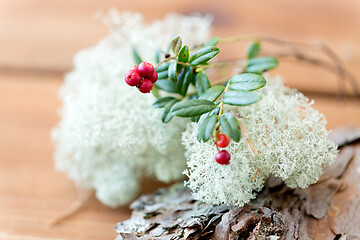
{"x": 145, "y": 86}
{"x": 223, "y": 157}
{"x": 154, "y": 77}
{"x": 146, "y": 69}
{"x": 132, "y": 78}
{"x": 222, "y": 140}
{"x": 136, "y": 68}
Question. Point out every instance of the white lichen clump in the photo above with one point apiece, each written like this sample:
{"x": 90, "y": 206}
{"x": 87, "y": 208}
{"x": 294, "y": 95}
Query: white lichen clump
{"x": 109, "y": 136}
{"x": 289, "y": 135}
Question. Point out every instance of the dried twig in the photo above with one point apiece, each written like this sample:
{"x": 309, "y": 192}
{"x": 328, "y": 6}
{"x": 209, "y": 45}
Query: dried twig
{"x": 296, "y": 49}
{"x": 83, "y": 197}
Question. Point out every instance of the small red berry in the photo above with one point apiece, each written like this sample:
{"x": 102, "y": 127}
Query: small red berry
{"x": 222, "y": 140}
{"x": 223, "y": 157}
{"x": 132, "y": 78}
{"x": 154, "y": 77}
{"x": 136, "y": 68}
{"x": 145, "y": 86}
{"x": 146, "y": 69}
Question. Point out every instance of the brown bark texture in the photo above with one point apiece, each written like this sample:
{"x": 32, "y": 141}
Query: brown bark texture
{"x": 329, "y": 209}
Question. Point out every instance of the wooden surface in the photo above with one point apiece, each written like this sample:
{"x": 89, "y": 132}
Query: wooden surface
{"x": 37, "y": 41}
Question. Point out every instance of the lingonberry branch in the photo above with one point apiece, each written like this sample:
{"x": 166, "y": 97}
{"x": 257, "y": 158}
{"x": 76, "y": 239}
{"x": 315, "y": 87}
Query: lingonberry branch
{"x": 164, "y": 61}
{"x": 205, "y": 106}
{"x": 221, "y": 111}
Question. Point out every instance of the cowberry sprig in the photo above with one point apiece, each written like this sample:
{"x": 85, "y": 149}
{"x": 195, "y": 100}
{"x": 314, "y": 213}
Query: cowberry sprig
{"x": 175, "y": 74}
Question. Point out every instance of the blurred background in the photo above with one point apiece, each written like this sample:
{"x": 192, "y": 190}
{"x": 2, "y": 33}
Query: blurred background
{"x": 38, "y": 40}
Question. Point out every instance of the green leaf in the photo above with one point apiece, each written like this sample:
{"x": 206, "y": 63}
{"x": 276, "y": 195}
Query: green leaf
{"x": 162, "y": 71}
{"x": 213, "y": 93}
{"x": 212, "y": 42}
{"x": 167, "y": 85}
{"x": 231, "y": 126}
{"x": 172, "y": 71}
{"x": 192, "y": 96}
{"x": 183, "y": 54}
{"x": 254, "y": 49}
{"x": 155, "y": 91}
{"x": 163, "y": 75}
{"x": 157, "y": 55}
{"x": 203, "y": 55}
{"x": 162, "y": 67}
{"x": 261, "y": 64}
{"x": 206, "y": 127}
{"x": 202, "y": 83}
{"x": 184, "y": 80}
{"x": 247, "y": 81}
{"x": 196, "y": 118}
{"x": 176, "y": 44}
{"x": 167, "y": 115}
{"x": 241, "y": 98}
{"x": 191, "y": 108}
{"x": 136, "y": 55}
{"x": 161, "y": 102}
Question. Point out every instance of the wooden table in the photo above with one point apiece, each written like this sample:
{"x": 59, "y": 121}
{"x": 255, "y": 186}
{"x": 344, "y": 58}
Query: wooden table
{"x": 37, "y": 41}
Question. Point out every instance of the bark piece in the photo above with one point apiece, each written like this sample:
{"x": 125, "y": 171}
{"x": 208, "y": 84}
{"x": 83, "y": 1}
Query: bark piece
{"x": 318, "y": 197}
{"x": 325, "y": 210}
{"x": 336, "y": 169}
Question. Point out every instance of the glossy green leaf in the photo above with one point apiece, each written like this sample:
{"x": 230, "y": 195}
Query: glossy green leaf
{"x": 136, "y": 55}
{"x": 176, "y": 44}
{"x": 254, "y": 49}
{"x": 167, "y": 115}
{"x": 195, "y": 118}
{"x": 162, "y": 67}
{"x": 206, "y": 127}
{"x": 231, "y": 126}
{"x": 212, "y": 42}
{"x": 261, "y": 64}
{"x": 213, "y": 93}
{"x": 167, "y": 85}
{"x": 162, "y": 71}
{"x": 192, "y": 96}
{"x": 184, "y": 54}
{"x": 247, "y": 81}
{"x": 163, "y": 75}
{"x": 172, "y": 71}
{"x": 203, "y": 55}
{"x": 241, "y": 98}
{"x": 191, "y": 108}
{"x": 202, "y": 83}
{"x": 155, "y": 91}
{"x": 184, "y": 80}
{"x": 161, "y": 102}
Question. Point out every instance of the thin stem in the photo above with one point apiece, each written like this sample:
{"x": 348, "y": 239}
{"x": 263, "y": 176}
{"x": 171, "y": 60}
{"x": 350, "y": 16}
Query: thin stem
{"x": 165, "y": 60}
{"x": 219, "y": 65}
{"x": 238, "y": 38}
{"x": 256, "y": 174}
{"x": 83, "y": 197}
{"x": 248, "y": 141}
{"x": 297, "y": 51}
{"x": 222, "y": 104}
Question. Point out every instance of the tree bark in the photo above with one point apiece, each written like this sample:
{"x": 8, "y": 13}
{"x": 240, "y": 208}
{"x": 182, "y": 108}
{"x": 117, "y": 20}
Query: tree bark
{"x": 329, "y": 209}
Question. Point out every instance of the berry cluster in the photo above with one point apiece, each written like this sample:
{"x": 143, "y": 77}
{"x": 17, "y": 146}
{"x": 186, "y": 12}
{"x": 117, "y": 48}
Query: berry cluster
{"x": 142, "y": 76}
{"x": 223, "y": 156}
